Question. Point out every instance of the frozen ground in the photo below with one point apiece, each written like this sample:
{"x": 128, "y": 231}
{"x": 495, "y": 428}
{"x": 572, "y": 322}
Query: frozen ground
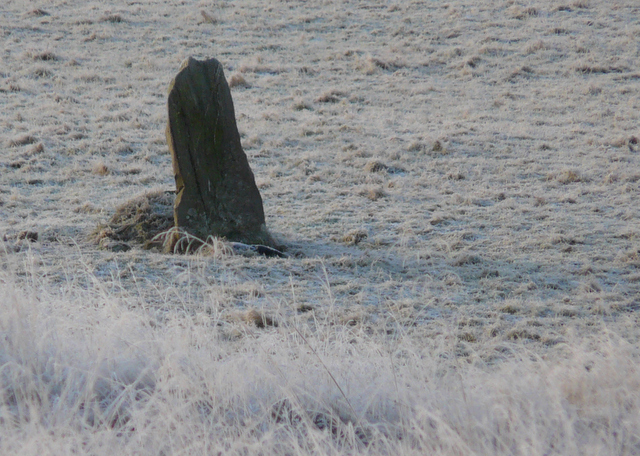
{"x": 456, "y": 184}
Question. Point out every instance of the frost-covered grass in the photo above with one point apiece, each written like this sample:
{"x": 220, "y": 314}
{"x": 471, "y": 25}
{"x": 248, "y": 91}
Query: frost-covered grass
{"x": 456, "y": 184}
{"x": 82, "y": 373}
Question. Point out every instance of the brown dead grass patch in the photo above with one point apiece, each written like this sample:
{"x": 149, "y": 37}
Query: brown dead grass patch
{"x": 518, "y": 12}
{"x": 375, "y": 167}
{"x": 112, "y": 18}
{"x": 46, "y": 56}
{"x": 354, "y": 237}
{"x": 568, "y": 176}
{"x": 100, "y": 169}
{"x": 259, "y": 319}
{"x": 237, "y": 80}
{"x": 208, "y": 18}
{"x": 140, "y": 220}
{"x": 22, "y": 140}
{"x": 375, "y": 193}
{"x": 38, "y": 13}
{"x": 331, "y": 96}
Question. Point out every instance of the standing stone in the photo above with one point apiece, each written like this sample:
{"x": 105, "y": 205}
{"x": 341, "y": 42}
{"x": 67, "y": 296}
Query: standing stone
{"x": 216, "y": 191}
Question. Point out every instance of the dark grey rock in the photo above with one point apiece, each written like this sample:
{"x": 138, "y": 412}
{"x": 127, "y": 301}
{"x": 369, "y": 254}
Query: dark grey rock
{"x": 216, "y": 190}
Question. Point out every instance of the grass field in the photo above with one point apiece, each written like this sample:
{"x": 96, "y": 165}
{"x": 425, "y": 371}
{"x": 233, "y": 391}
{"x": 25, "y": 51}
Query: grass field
{"x": 456, "y": 184}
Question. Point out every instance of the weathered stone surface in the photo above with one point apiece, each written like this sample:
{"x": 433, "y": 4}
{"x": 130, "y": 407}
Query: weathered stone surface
{"x": 216, "y": 191}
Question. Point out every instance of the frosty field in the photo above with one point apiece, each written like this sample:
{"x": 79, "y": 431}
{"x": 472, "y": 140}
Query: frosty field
{"x": 456, "y": 185}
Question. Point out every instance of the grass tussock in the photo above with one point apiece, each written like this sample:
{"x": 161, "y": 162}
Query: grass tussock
{"x": 37, "y": 12}
{"x": 568, "y": 176}
{"x": 46, "y": 56}
{"x": 100, "y": 168}
{"x": 238, "y": 80}
{"x": 331, "y": 96}
{"x": 139, "y": 220}
{"x": 112, "y": 18}
{"x": 208, "y": 18}
{"x": 22, "y": 140}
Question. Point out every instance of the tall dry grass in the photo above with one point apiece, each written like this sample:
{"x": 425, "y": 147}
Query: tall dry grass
{"x": 87, "y": 371}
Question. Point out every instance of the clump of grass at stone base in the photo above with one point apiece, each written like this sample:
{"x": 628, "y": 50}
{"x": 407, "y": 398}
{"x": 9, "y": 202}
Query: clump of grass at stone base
{"x": 139, "y": 220}
{"x": 148, "y": 220}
